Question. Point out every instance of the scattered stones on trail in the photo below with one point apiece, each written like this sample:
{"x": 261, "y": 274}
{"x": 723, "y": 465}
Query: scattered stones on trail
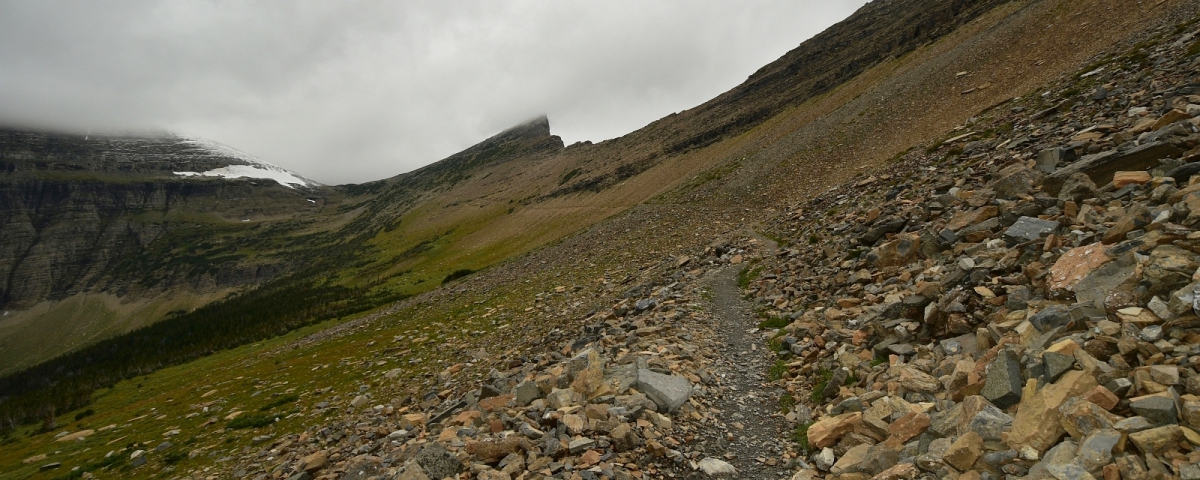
{"x": 634, "y": 396}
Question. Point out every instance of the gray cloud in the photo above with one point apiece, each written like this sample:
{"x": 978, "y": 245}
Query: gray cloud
{"x": 355, "y": 91}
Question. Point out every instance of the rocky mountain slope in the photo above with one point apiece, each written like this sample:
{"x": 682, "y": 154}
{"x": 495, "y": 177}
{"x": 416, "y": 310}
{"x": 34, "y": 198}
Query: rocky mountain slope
{"x": 1012, "y": 301}
{"x": 117, "y": 258}
{"x": 1015, "y": 301}
{"x": 923, "y": 318}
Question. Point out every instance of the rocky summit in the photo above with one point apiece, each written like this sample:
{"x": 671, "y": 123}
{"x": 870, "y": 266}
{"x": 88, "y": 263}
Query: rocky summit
{"x": 1017, "y": 297}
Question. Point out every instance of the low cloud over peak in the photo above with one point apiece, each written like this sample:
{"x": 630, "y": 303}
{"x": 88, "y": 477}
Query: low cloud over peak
{"x": 355, "y": 91}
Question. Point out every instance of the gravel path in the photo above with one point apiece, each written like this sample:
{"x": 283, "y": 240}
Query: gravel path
{"x": 754, "y": 435}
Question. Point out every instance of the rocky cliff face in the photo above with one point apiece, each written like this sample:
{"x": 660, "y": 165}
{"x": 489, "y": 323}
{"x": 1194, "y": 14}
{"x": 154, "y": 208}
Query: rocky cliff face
{"x": 64, "y": 237}
{"x": 62, "y": 207}
{"x": 81, "y": 212}
{"x": 156, "y": 227}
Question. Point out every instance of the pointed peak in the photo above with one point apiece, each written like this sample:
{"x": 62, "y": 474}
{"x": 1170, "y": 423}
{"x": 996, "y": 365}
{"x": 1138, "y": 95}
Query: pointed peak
{"x": 539, "y": 120}
{"x": 531, "y": 137}
{"x": 534, "y": 128}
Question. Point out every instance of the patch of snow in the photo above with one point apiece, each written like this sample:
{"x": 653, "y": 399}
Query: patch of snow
{"x": 284, "y": 177}
{"x": 255, "y": 168}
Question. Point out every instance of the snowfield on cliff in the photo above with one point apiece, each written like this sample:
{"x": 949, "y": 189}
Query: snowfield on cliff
{"x": 255, "y": 167}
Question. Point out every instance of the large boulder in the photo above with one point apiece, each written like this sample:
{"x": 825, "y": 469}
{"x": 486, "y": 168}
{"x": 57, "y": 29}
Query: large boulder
{"x": 1093, "y": 288}
{"x": 1037, "y": 423}
{"x": 963, "y": 453}
{"x": 1073, "y": 266}
{"x": 973, "y": 216}
{"x": 716, "y": 468}
{"x": 669, "y": 392}
{"x": 1137, "y": 217}
{"x": 827, "y": 432}
{"x": 1003, "y": 384}
{"x": 1100, "y": 167}
{"x": 437, "y": 462}
{"x": 881, "y": 227}
{"x": 1169, "y": 269}
{"x": 1014, "y": 180}
{"x": 1077, "y": 188}
{"x": 898, "y": 251}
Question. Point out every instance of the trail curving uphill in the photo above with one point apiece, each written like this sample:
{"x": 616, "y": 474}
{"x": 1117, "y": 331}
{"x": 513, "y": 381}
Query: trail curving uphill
{"x": 753, "y": 434}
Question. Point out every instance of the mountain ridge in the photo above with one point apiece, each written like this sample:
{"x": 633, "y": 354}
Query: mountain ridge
{"x": 32, "y": 151}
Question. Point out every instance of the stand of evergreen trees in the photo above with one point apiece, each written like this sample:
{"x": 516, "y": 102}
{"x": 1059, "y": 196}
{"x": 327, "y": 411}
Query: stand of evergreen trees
{"x": 66, "y": 383}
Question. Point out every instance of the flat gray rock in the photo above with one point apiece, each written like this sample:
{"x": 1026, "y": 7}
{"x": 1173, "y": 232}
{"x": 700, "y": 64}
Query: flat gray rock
{"x": 1029, "y": 228}
{"x": 1160, "y": 410}
{"x": 625, "y": 375}
{"x": 1052, "y": 316}
{"x": 526, "y": 392}
{"x": 667, "y": 391}
{"x": 989, "y": 423}
{"x": 1056, "y": 365}
{"x": 1133, "y": 425}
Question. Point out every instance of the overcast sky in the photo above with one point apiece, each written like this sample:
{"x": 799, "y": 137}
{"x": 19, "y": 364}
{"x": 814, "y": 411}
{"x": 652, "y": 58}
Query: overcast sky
{"x": 343, "y": 91}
